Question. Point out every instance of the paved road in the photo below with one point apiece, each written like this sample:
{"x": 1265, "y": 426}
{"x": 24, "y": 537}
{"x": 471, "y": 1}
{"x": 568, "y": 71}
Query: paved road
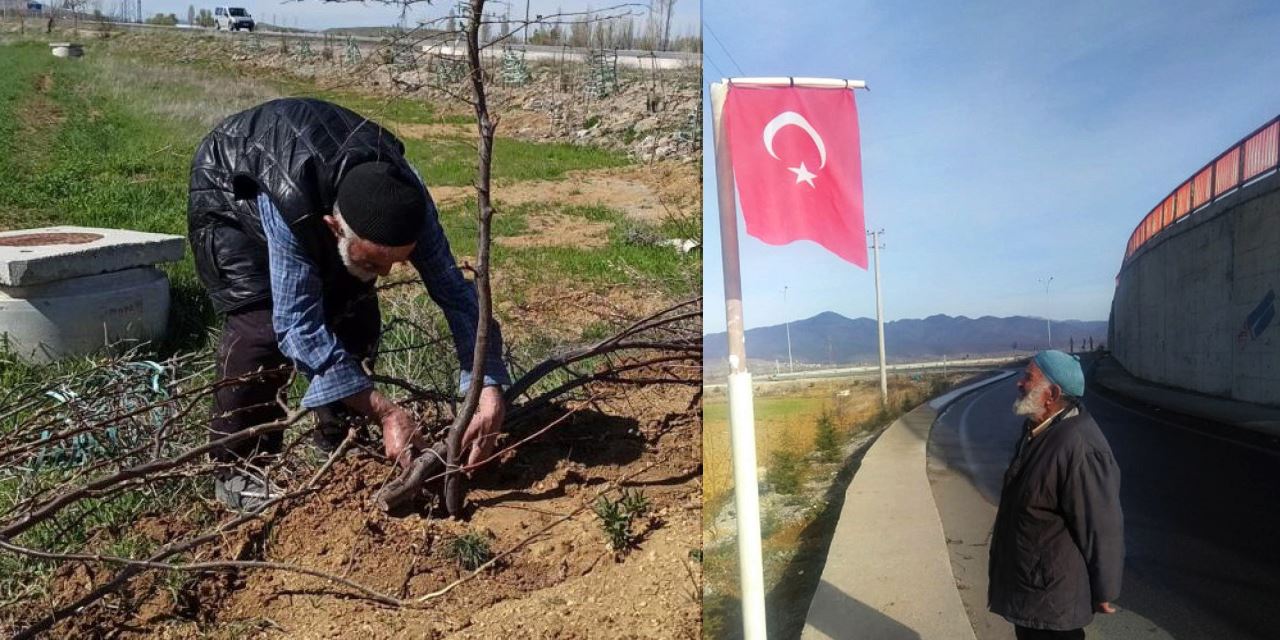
{"x": 1202, "y": 517}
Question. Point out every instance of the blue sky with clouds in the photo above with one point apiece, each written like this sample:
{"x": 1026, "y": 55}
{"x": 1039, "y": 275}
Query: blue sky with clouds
{"x": 1002, "y": 142}
{"x": 313, "y": 14}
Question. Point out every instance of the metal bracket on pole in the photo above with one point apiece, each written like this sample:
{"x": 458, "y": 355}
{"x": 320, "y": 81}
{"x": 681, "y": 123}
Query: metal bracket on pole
{"x": 789, "y": 81}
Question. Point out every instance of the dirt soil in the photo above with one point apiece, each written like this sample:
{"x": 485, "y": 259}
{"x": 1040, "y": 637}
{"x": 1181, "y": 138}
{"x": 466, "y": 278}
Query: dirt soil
{"x": 563, "y": 583}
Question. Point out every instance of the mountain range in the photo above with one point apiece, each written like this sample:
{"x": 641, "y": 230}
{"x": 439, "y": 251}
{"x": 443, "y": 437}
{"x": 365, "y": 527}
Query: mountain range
{"x": 832, "y": 338}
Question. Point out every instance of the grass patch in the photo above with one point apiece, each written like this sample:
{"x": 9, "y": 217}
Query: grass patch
{"x": 635, "y": 255}
{"x": 618, "y": 517}
{"x": 469, "y": 550}
{"x": 788, "y": 419}
{"x": 395, "y": 109}
{"x": 593, "y": 212}
{"x": 451, "y": 161}
{"x": 461, "y": 228}
{"x": 617, "y": 264}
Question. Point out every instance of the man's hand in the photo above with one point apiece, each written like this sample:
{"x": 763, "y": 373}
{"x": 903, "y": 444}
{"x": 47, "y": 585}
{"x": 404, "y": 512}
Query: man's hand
{"x": 398, "y": 432}
{"x": 398, "y": 427}
{"x": 481, "y": 436}
{"x": 1106, "y": 607}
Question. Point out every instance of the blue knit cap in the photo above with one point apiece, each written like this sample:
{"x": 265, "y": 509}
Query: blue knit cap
{"x": 1063, "y": 370}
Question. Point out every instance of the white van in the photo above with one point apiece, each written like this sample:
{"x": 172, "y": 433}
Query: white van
{"x": 232, "y": 19}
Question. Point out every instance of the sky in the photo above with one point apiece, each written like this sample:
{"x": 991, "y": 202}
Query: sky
{"x": 1003, "y": 143}
{"x": 314, "y": 14}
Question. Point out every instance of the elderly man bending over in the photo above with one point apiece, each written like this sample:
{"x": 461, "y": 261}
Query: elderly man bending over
{"x": 295, "y": 207}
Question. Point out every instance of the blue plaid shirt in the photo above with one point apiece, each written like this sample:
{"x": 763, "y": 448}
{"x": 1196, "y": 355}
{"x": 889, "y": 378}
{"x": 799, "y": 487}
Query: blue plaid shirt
{"x": 305, "y": 338}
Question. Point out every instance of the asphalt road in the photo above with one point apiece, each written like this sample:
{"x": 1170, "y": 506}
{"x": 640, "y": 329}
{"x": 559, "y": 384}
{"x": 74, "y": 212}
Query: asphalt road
{"x": 1202, "y": 517}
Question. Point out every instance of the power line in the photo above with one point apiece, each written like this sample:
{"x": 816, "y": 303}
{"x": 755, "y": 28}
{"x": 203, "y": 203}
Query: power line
{"x": 707, "y": 59}
{"x": 722, "y": 47}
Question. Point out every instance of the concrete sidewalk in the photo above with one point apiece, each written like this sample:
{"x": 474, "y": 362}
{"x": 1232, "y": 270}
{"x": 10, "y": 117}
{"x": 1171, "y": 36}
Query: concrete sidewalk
{"x": 1258, "y": 418}
{"x": 888, "y": 573}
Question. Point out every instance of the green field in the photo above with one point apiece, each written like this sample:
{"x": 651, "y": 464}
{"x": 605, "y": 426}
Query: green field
{"x": 106, "y": 141}
{"x": 784, "y": 421}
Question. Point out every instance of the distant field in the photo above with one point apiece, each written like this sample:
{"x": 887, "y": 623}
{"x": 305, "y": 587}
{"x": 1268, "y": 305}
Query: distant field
{"x": 786, "y": 418}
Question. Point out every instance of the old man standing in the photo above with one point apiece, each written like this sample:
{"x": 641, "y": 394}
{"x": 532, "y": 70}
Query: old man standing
{"x": 1057, "y": 548}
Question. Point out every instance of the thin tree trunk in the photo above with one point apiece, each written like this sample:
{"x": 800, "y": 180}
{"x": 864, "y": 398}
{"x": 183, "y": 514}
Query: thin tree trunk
{"x": 454, "y": 498}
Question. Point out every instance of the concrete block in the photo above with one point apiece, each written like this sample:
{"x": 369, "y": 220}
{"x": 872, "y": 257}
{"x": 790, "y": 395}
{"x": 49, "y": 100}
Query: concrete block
{"x": 77, "y": 316}
{"x": 36, "y": 256}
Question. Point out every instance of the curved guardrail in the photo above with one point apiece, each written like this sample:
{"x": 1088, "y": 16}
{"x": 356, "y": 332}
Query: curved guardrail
{"x": 1253, "y": 157}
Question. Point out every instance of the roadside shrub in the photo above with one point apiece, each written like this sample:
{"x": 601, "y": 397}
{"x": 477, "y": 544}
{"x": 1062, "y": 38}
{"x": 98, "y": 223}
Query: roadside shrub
{"x": 826, "y": 441}
{"x": 937, "y": 386}
{"x": 786, "y": 472}
{"x": 769, "y": 523}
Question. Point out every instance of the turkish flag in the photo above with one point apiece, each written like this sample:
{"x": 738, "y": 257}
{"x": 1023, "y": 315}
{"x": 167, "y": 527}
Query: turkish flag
{"x": 798, "y": 167}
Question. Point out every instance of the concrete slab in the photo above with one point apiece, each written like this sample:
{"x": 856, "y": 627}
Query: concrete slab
{"x": 36, "y": 256}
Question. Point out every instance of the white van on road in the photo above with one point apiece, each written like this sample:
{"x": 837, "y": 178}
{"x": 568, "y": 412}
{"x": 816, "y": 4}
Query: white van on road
{"x": 232, "y": 19}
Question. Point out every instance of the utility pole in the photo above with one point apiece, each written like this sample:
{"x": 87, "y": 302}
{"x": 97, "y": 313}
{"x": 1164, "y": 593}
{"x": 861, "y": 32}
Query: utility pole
{"x": 1048, "y": 329}
{"x": 884, "y": 376}
{"x": 786, "y": 319}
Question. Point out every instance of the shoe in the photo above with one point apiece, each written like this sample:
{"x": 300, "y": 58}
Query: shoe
{"x": 245, "y": 490}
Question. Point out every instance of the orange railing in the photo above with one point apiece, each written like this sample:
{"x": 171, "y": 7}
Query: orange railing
{"x": 1256, "y": 154}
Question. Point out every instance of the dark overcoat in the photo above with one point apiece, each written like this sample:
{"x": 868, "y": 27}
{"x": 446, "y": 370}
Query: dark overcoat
{"x": 1057, "y": 548}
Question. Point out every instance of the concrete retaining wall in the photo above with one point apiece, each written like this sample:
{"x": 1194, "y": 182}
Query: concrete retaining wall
{"x": 1191, "y": 307}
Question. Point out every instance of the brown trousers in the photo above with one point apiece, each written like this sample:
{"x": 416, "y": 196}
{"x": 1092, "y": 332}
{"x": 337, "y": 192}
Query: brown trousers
{"x": 248, "y": 351}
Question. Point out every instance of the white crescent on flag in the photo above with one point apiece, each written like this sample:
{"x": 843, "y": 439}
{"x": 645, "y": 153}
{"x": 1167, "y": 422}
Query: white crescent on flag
{"x": 791, "y": 118}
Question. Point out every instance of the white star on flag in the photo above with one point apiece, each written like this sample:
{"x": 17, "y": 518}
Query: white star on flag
{"x": 803, "y": 174}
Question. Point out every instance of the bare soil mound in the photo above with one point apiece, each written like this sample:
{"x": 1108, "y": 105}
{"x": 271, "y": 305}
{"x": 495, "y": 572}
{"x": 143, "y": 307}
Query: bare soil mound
{"x": 555, "y": 576}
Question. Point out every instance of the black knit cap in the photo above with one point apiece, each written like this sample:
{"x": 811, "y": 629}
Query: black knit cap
{"x": 382, "y": 205}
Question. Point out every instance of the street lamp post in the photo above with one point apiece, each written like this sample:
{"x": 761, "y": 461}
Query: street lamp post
{"x": 884, "y": 377}
{"x": 786, "y": 319}
{"x": 1048, "y": 328}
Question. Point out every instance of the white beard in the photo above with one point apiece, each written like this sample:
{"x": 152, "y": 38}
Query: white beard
{"x": 344, "y": 250}
{"x": 1031, "y": 404}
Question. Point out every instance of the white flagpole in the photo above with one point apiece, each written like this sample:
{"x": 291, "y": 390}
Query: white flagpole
{"x": 742, "y": 421}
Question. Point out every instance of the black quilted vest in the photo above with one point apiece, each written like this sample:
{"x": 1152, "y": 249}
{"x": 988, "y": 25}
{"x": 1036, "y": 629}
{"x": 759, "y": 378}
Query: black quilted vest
{"x": 296, "y": 150}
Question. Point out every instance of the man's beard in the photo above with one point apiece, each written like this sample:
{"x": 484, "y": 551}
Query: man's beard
{"x": 344, "y": 250}
{"x": 1031, "y": 404}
